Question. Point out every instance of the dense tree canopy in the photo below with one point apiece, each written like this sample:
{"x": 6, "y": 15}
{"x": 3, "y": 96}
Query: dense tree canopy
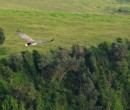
{"x": 95, "y": 78}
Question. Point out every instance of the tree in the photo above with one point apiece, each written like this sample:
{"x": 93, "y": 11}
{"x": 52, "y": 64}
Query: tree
{"x": 28, "y": 62}
{"x": 36, "y": 59}
{"x": 25, "y": 93}
{"x": 9, "y": 103}
{"x": 15, "y": 62}
{"x": 2, "y": 36}
{"x": 88, "y": 95}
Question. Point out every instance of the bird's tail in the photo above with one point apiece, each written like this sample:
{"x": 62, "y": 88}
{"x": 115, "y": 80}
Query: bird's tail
{"x": 51, "y": 40}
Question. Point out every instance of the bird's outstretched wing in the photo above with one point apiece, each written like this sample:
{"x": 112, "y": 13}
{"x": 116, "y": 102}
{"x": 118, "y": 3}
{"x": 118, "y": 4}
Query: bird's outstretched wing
{"x": 24, "y": 36}
{"x": 39, "y": 42}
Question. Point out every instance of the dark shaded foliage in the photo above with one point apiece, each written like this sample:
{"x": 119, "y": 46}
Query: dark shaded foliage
{"x": 2, "y": 36}
{"x": 97, "y": 78}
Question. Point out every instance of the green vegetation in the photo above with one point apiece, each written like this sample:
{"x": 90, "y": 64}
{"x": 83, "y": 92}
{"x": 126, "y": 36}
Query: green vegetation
{"x": 2, "y": 36}
{"x": 93, "y": 75}
{"x": 71, "y": 6}
{"x": 95, "y": 78}
{"x": 93, "y": 24}
{"x": 66, "y": 29}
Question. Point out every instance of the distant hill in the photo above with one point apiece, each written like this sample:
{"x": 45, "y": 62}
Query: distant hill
{"x": 71, "y": 6}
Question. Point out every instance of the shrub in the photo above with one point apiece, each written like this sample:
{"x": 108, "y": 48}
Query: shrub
{"x": 2, "y": 36}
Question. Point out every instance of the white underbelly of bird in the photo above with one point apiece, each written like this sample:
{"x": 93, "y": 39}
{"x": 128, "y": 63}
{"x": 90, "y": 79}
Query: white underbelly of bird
{"x": 30, "y": 44}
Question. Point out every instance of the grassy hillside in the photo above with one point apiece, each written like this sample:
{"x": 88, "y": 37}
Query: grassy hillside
{"x": 73, "y": 6}
{"x": 33, "y": 18}
{"x": 66, "y": 29}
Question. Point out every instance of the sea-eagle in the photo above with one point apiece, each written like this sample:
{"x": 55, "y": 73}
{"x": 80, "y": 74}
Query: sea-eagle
{"x": 29, "y": 40}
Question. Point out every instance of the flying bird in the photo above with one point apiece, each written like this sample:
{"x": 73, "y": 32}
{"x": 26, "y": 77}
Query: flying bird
{"x": 29, "y": 40}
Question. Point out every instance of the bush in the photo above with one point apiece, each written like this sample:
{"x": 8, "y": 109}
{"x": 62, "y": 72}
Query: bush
{"x": 2, "y": 36}
{"x": 123, "y": 10}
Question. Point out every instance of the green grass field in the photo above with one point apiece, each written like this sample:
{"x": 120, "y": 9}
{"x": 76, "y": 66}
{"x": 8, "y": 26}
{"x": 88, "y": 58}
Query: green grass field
{"x": 65, "y": 26}
{"x": 71, "y": 6}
